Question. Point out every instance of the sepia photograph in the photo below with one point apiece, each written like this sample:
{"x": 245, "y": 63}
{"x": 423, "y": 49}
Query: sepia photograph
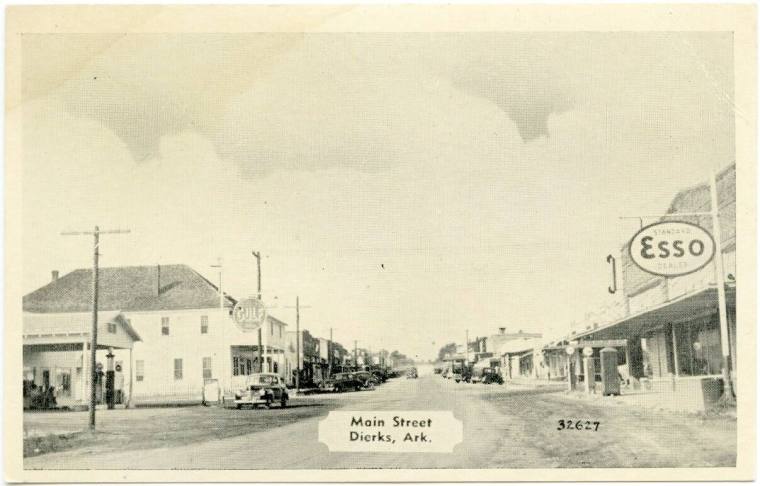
{"x": 386, "y": 248}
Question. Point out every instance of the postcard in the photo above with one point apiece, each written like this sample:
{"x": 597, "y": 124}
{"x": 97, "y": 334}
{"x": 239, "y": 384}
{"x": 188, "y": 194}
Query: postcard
{"x": 380, "y": 243}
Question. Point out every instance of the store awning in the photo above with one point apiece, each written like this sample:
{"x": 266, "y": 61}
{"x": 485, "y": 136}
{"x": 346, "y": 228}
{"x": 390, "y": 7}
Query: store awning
{"x": 683, "y": 308}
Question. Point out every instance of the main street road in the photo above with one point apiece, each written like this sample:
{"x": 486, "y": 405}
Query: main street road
{"x": 504, "y": 426}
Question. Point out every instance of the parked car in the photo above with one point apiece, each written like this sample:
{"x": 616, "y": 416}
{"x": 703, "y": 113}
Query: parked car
{"x": 368, "y": 379}
{"x": 262, "y": 389}
{"x": 466, "y": 375}
{"x": 381, "y": 376}
{"x": 437, "y": 370}
{"x": 341, "y": 382}
{"x": 446, "y": 374}
{"x": 456, "y": 377}
{"x": 411, "y": 373}
{"x": 492, "y": 377}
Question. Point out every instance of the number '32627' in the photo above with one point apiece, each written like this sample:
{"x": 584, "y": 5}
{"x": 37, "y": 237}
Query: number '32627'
{"x": 577, "y": 425}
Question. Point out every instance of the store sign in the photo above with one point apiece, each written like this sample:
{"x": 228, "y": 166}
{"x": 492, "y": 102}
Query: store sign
{"x": 672, "y": 248}
{"x": 249, "y": 314}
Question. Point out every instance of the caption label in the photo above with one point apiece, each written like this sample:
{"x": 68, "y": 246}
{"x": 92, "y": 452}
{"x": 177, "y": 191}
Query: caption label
{"x": 391, "y": 431}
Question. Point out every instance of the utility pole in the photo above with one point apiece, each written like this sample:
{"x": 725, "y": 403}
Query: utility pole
{"x": 222, "y": 322}
{"x": 721, "y": 284}
{"x": 298, "y": 347}
{"x": 94, "y": 331}
{"x": 299, "y": 338}
{"x": 257, "y": 256}
{"x": 329, "y": 355}
{"x": 466, "y": 347}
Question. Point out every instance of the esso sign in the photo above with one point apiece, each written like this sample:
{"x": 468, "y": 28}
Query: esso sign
{"x": 249, "y": 314}
{"x": 672, "y": 248}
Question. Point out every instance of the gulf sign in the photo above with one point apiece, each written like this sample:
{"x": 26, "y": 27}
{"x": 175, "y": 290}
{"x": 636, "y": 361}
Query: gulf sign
{"x": 672, "y": 248}
{"x": 249, "y": 314}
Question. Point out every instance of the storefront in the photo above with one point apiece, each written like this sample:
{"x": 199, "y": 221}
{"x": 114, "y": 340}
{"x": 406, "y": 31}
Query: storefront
{"x": 674, "y": 346}
{"x": 56, "y": 354}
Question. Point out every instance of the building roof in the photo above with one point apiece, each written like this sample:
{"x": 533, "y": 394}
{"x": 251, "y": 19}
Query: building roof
{"x": 518, "y": 346}
{"x": 138, "y": 288}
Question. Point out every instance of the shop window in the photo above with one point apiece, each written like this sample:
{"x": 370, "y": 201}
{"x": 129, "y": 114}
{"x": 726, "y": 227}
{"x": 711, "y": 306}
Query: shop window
{"x": 164, "y": 326}
{"x": 248, "y": 366}
{"x": 177, "y": 368}
{"x": 207, "y": 370}
{"x": 235, "y": 361}
{"x": 139, "y": 370}
{"x": 63, "y": 382}
{"x": 275, "y": 367}
{"x": 698, "y": 348}
{"x": 204, "y": 324}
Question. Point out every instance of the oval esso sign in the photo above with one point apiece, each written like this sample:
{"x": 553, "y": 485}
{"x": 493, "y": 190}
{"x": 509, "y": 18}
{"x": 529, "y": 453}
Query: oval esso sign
{"x": 672, "y": 248}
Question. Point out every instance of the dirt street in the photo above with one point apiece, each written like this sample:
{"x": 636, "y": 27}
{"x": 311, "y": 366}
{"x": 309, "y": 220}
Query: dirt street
{"x": 504, "y": 427}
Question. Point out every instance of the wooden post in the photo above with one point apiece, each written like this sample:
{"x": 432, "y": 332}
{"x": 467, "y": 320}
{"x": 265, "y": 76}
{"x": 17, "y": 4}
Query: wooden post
{"x": 728, "y": 393}
{"x": 298, "y": 348}
{"x": 94, "y": 330}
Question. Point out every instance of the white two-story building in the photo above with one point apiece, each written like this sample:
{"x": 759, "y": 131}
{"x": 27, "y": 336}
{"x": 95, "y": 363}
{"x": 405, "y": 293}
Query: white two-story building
{"x": 176, "y": 339}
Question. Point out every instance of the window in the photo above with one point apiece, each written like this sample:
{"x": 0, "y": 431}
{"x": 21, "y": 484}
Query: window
{"x": 207, "y": 368}
{"x": 164, "y": 326}
{"x": 280, "y": 330}
{"x": 112, "y": 328}
{"x": 139, "y": 370}
{"x": 204, "y": 324}
{"x": 235, "y": 361}
{"x": 271, "y": 328}
{"x": 275, "y": 367}
{"x": 177, "y": 368}
{"x": 698, "y": 346}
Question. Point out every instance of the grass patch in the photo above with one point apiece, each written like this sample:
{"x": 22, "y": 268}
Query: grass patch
{"x": 35, "y": 446}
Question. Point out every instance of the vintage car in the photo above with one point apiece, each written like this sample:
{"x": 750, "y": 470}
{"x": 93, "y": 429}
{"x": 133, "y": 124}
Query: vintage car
{"x": 341, "y": 382}
{"x": 368, "y": 378}
{"x": 262, "y": 389}
{"x": 380, "y": 375}
{"x": 492, "y": 376}
{"x": 411, "y": 373}
{"x": 456, "y": 377}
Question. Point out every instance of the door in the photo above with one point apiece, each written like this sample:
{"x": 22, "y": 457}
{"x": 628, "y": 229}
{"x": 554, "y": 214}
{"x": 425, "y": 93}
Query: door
{"x": 46, "y": 379}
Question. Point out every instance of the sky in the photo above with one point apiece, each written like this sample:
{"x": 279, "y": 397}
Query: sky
{"x": 407, "y": 187}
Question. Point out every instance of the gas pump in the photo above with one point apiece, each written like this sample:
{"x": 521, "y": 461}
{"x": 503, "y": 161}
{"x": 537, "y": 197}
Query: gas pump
{"x": 110, "y": 375}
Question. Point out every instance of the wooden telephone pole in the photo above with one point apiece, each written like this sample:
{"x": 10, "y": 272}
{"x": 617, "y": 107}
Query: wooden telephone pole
{"x": 298, "y": 341}
{"x": 94, "y": 331}
{"x": 257, "y": 256}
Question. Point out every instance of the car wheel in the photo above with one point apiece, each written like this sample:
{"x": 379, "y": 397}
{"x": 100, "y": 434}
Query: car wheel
{"x": 283, "y": 402}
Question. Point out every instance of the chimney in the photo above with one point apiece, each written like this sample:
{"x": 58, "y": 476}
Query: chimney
{"x": 502, "y": 330}
{"x": 158, "y": 280}
{"x": 55, "y": 275}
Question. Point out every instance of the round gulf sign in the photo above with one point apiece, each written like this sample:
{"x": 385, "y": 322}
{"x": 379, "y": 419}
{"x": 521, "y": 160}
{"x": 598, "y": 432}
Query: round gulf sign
{"x": 570, "y": 350}
{"x": 588, "y": 351}
{"x": 672, "y": 248}
{"x": 249, "y": 314}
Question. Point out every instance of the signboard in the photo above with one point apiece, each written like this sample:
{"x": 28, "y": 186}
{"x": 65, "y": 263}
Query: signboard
{"x": 588, "y": 351}
{"x": 249, "y": 314}
{"x": 570, "y": 350}
{"x": 672, "y": 248}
